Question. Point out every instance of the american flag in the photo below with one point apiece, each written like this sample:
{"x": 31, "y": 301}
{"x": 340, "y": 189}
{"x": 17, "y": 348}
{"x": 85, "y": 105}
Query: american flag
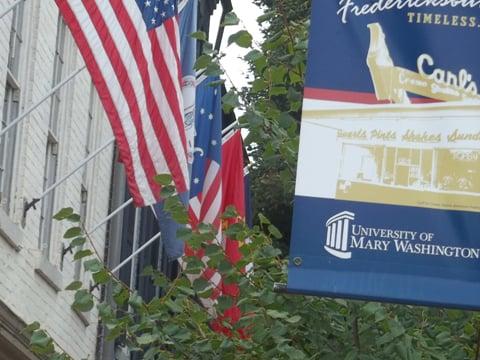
{"x": 131, "y": 49}
{"x": 206, "y": 183}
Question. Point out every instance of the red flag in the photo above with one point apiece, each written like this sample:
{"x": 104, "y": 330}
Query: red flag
{"x": 233, "y": 195}
{"x": 233, "y": 186}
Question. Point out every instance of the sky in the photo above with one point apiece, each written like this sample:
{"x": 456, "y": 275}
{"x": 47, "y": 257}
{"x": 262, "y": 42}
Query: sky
{"x": 232, "y": 63}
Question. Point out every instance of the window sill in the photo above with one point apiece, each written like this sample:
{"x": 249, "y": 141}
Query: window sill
{"x": 10, "y": 231}
{"x": 49, "y": 273}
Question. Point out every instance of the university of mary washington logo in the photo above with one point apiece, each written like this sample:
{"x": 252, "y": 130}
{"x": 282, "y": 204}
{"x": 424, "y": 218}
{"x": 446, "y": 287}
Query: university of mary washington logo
{"x": 338, "y": 235}
{"x": 345, "y": 235}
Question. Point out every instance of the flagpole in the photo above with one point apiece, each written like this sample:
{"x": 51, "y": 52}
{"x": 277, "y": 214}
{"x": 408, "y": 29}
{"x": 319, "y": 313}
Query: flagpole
{"x": 10, "y": 8}
{"x": 111, "y": 215}
{"x": 34, "y": 201}
{"x": 135, "y": 253}
{"x": 230, "y": 127}
{"x": 40, "y": 102}
{"x": 136, "y": 240}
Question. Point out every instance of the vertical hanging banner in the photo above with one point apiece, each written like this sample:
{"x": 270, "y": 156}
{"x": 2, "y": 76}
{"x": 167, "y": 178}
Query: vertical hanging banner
{"x": 387, "y": 202}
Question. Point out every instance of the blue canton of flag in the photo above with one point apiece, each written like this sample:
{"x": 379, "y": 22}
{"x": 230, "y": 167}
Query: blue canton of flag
{"x": 206, "y": 179}
{"x": 155, "y": 12}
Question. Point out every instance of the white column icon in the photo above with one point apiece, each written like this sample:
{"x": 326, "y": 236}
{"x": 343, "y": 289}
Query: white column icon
{"x": 338, "y": 229}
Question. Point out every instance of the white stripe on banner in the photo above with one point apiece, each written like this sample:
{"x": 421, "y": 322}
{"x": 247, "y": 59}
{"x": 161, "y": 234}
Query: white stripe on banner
{"x": 210, "y": 176}
{"x": 214, "y": 209}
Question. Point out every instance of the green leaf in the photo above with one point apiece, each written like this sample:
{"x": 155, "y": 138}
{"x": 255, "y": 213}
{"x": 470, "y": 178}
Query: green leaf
{"x": 167, "y": 191}
{"x": 63, "y": 214}
{"x": 83, "y": 301}
{"x": 82, "y": 253}
{"x": 266, "y": 16}
{"x": 77, "y": 242}
{"x": 199, "y": 35}
{"x": 202, "y": 62}
{"x": 253, "y": 55}
{"x": 274, "y": 231}
{"x": 278, "y": 90}
{"x": 146, "y": 339}
{"x": 93, "y": 265}
{"x": 148, "y": 271}
{"x": 224, "y": 303}
{"x": 163, "y": 179}
{"x": 120, "y": 294}
{"x": 230, "y": 212}
{"x": 230, "y": 19}
{"x": 184, "y": 234}
{"x": 31, "y": 327}
{"x": 101, "y": 277}
{"x": 259, "y": 85}
{"x": 252, "y": 118}
{"x": 74, "y": 218}
{"x": 200, "y": 285}
{"x": 173, "y": 306}
{"x": 205, "y": 294}
{"x": 294, "y": 319}
{"x": 213, "y": 69}
{"x": 74, "y": 286}
{"x": 263, "y": 219}
{"x": 135, "y": 300}
{"x": 105, "y": 311}
{"x": 40, "y": 340}
{"x": 72, "y": 233}
{"x": 234, "y": 229}
{"x": 230, "y": 101}
{"x": 277, "y": 314}
{"x": 242, "y": 38}
{"x": 285, "y": 120}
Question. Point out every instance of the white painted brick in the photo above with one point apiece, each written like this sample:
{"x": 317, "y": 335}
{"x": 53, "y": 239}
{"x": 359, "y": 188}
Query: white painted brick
{"x": 21, "y": 288}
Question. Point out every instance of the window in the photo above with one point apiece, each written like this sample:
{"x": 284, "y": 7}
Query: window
{"x": 10, "y": 109}
{"x": 84, "y": 189}
{"x": 51, "y": 154}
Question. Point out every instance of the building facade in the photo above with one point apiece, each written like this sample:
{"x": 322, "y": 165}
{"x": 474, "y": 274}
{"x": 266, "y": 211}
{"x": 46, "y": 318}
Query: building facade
{"x": 37, "y": 53}
{"x": 51, "y": 121}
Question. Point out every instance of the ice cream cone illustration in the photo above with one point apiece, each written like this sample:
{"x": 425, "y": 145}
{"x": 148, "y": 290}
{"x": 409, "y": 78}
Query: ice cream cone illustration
{"x": 382, "y": 68}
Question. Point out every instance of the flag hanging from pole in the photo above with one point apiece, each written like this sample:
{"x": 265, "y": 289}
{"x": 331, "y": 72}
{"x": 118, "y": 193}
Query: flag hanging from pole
{"x": 233, "y": 194}
{"x": 188, "y": 10}
{"x": 206, "y": 183}
{"x": 174, "y": 247}
{"x": 132, "y": 51}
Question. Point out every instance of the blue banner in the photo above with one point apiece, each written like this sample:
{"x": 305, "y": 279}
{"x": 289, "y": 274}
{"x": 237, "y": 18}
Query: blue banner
{"x": 387, "y": 203}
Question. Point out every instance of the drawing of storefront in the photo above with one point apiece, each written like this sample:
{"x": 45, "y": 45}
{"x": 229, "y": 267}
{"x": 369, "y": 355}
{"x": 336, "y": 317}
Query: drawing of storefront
{"x": 436, "y": 176}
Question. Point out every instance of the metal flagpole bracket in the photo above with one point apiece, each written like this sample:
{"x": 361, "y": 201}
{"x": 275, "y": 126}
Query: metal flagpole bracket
{"x": 27, "y": 206}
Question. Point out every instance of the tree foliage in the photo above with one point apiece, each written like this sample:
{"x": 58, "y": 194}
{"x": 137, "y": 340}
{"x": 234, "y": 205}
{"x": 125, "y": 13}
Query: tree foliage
{"x": 272, "y": 325}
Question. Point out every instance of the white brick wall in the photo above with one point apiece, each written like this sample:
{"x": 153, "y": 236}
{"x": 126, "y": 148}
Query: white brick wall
{"x": 25, "y": 292}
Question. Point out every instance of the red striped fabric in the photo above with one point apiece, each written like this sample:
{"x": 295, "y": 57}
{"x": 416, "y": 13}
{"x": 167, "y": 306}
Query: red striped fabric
{"x": 136, "y": 70}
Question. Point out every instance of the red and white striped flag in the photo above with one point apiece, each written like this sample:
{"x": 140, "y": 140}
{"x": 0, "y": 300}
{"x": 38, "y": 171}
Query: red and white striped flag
{"x": 131, "y": 49}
